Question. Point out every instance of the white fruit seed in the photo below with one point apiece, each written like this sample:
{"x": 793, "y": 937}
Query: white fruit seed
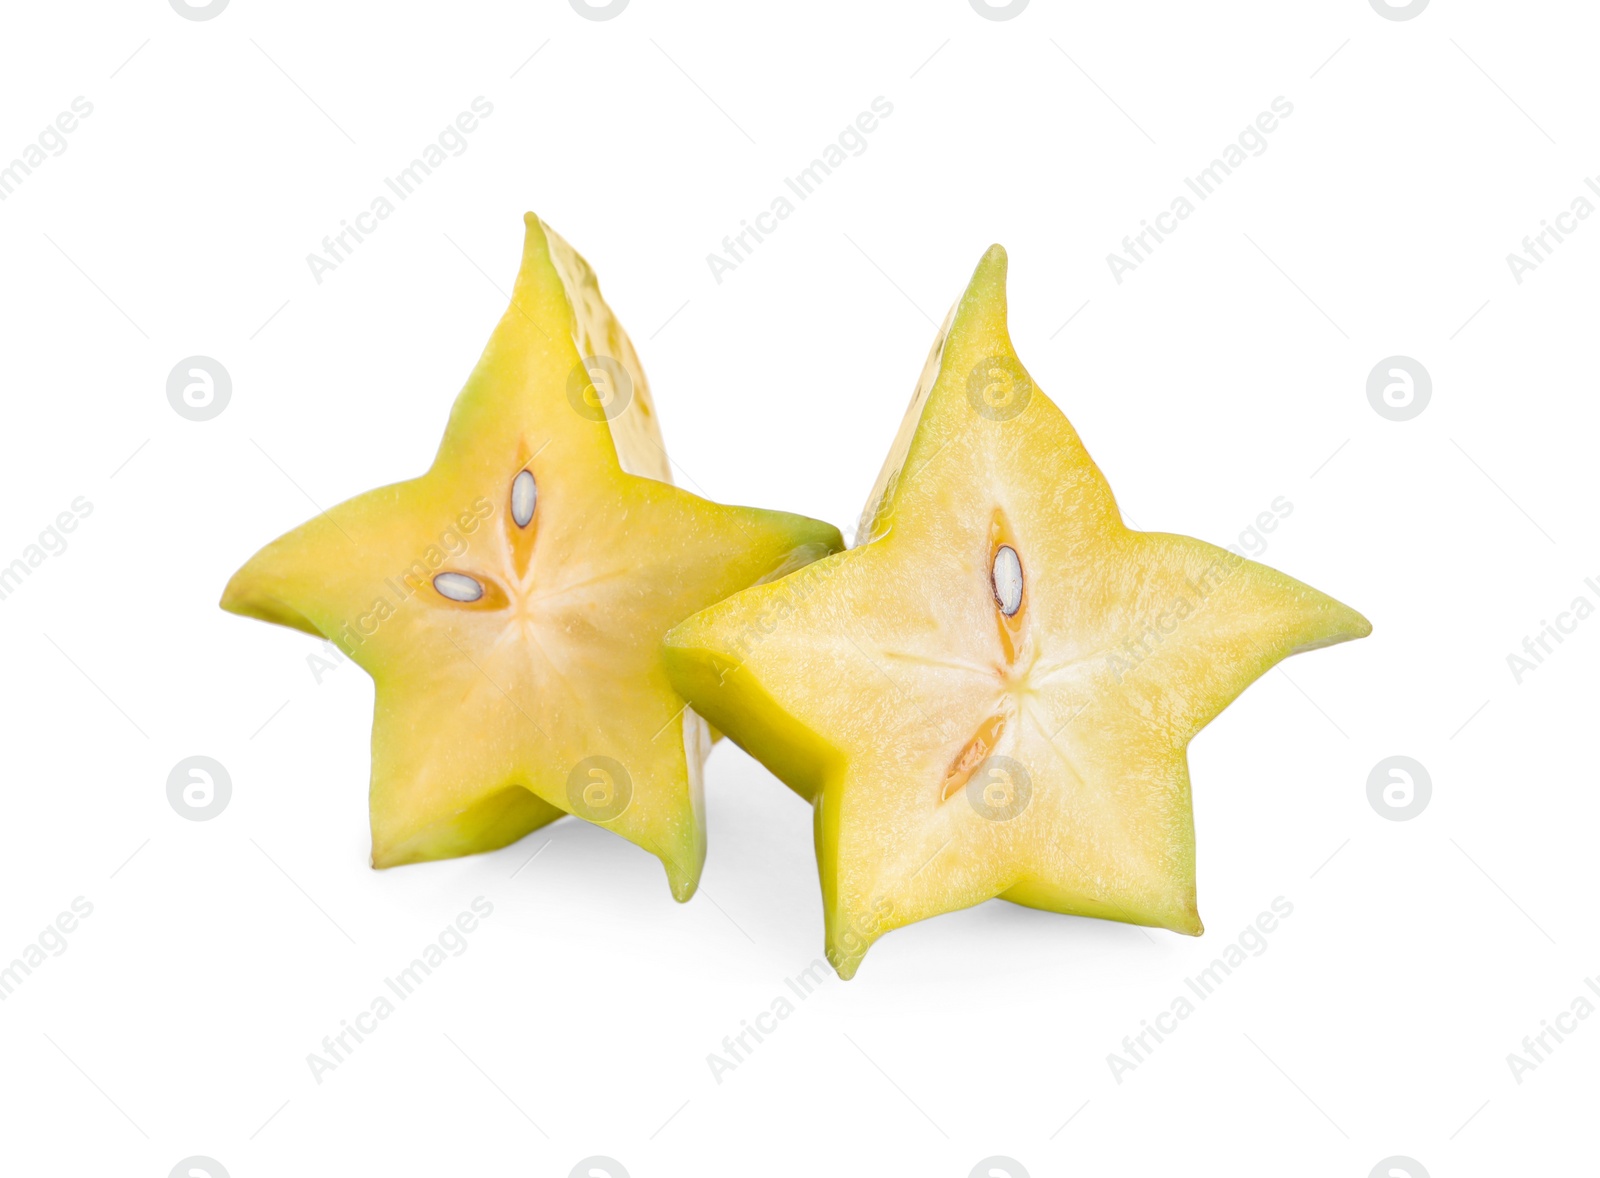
{"x": 1007, "y": 580}
{"x": 457, "y": 587}
{"x": 524, "y": 496}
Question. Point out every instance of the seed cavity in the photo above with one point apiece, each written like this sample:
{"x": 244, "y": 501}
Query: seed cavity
{"x": 1006, "y": 579}
{"x": 524, "y": 497}
{"x": 458, "y": 587}
{"x": 973, "y": 754}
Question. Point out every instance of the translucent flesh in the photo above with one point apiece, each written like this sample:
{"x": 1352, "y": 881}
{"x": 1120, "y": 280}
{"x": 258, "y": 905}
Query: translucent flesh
{"x": 486, "y": 709}
{"x": 886, "y": 685}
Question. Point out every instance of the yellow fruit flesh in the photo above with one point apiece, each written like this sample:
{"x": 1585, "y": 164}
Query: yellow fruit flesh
{"x": 489, "y": 712}
{"x": 955, "y": 753}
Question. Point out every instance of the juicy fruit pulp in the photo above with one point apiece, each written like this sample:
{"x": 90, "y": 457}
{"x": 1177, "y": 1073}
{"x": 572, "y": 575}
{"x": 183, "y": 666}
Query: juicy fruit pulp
{"x": 993, "y": 694}
{"x": 509, "y": 604}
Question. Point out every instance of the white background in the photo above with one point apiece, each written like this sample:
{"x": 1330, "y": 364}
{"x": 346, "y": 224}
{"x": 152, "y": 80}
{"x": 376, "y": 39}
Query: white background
{"x": 1227, "y": 370}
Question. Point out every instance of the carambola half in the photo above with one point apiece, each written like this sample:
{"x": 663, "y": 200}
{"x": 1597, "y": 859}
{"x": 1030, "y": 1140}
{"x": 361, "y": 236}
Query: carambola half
{"x": 510, "y": 603}
{"x": 993, "y": 692}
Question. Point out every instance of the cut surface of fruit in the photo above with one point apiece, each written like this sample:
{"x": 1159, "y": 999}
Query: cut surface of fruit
{"x": 992, "y": 695}
{"x": 509, "y": 604}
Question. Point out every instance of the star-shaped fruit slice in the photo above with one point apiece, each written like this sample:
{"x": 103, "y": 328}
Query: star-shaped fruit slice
{"x": 510, "y": 603}
{"x": 993, "y": 692}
